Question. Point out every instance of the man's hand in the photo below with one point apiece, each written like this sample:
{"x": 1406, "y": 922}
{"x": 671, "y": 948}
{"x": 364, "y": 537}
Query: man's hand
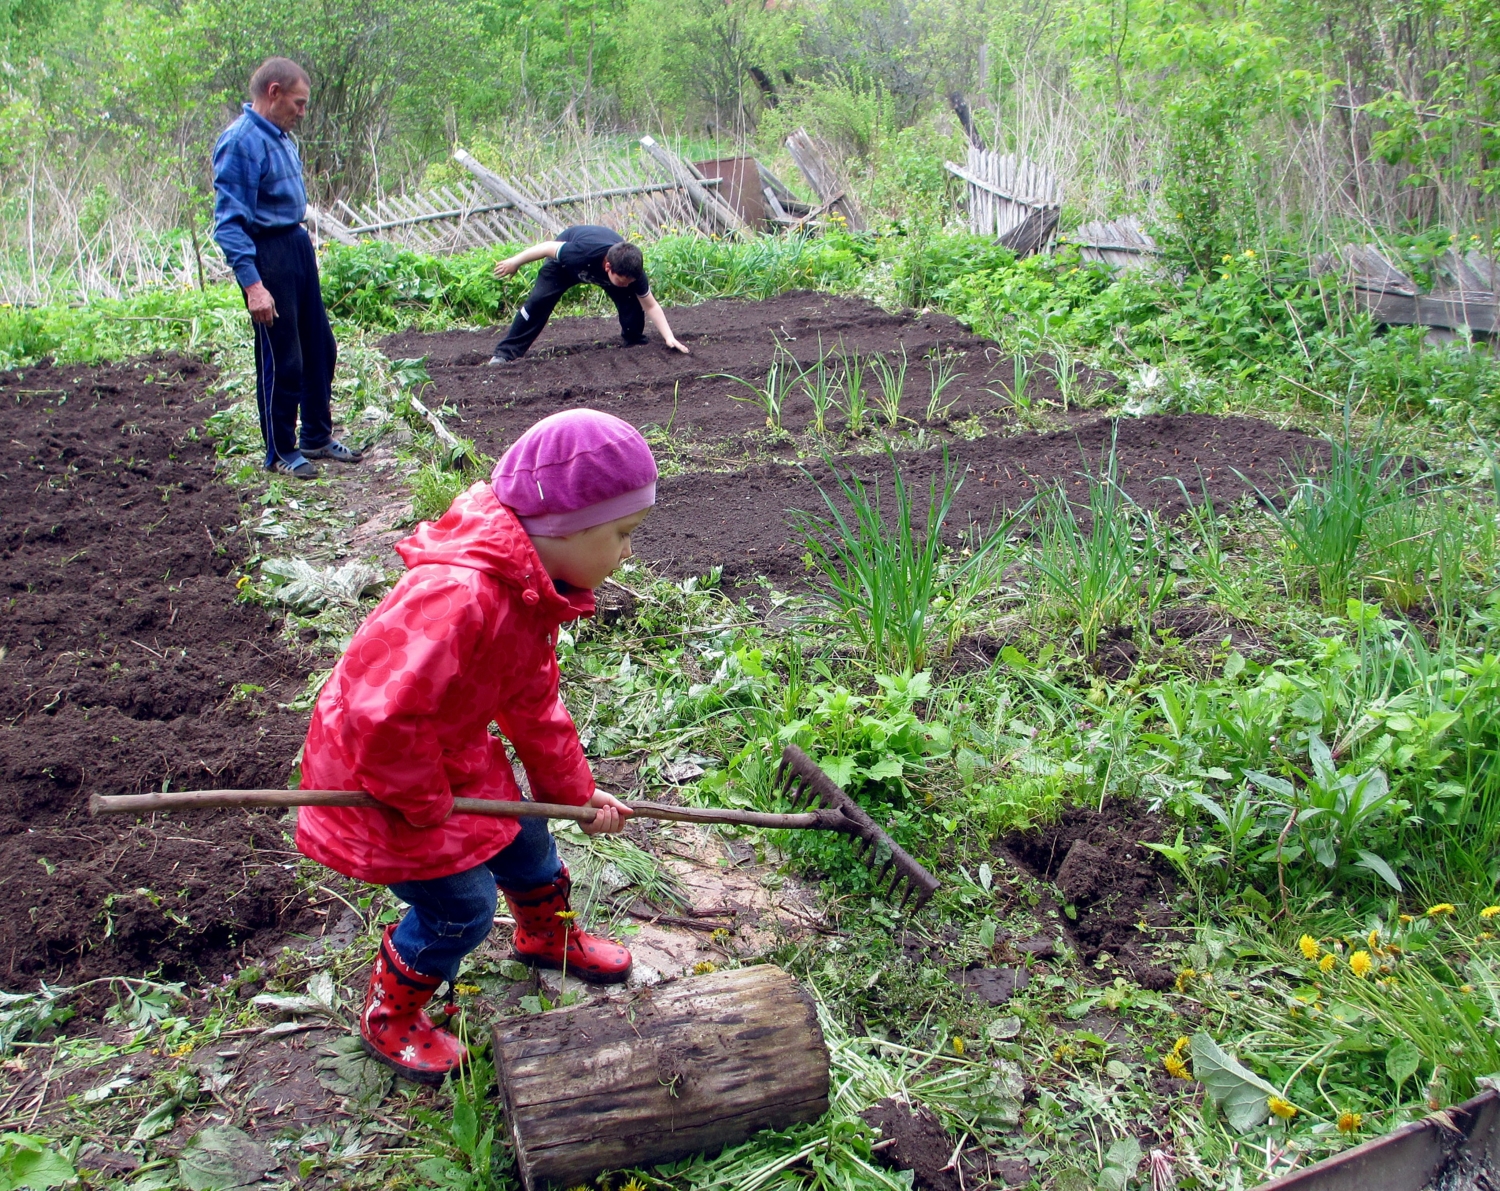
{"x": 262, "y": 305}
{"x": 676, "y": 345}
{"x": 509, "y": 267}
{"x": 611, "y": 817}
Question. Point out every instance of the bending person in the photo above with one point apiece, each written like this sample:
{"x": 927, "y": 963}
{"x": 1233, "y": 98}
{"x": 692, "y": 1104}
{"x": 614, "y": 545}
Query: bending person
{"x": 584, "y": 255}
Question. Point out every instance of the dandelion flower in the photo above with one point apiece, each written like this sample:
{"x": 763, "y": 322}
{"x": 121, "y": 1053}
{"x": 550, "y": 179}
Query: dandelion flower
{"x": 720, "y": 935}
{"x": 1350, "y": 1122}
{"x": 1485, "y": 936}
{"x": 467, "y": 990}
{"x": 1465, "y": 988}
{"x": 1489, "y": 911}
{"x": 1326, "y": 964}
{"x": 1406, "y": 919}
{"x": 1175, "y": 1067}
{"x": 1440, "y": 908}
{"x": 567, "y": 915}
{"x": 1181, "y": 1045}
{"x": 1309, "y": 946}
{"x": 705, "y": 967}
{"x": 1361, "y": 964}
{"x": 634, "y": 1185}
{"x": 1184, "y": 978}
{"x": 1373, "y": 939}
{"x": 1282, "y": 1108}
{"x": 958, "y": 1046}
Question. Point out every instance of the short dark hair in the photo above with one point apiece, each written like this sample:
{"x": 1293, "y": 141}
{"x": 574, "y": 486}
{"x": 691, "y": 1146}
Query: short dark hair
{"x": 282, "y": 71}
{"x": 625, "y": 259}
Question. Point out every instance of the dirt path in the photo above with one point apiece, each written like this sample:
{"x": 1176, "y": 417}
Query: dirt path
{"x": 125, "y": 664}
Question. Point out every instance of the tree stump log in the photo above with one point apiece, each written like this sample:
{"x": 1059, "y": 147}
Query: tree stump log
{"x": 687, "y": 1067}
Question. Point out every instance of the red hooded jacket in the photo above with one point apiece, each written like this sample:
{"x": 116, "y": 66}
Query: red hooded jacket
{"x": 468, "y": 636}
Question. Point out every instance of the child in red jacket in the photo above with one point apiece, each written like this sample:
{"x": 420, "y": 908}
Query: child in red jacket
{"x": 466, "y": 638}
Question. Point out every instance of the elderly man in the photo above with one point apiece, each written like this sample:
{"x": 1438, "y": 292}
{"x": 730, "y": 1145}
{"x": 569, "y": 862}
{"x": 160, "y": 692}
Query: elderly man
{"x": 259, "y": 205}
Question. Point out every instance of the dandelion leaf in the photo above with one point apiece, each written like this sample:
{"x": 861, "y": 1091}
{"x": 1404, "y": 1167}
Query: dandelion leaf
{"x": 1239, "y": 1093}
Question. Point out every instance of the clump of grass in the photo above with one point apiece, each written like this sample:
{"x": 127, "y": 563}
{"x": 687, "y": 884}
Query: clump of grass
{"x": 892, "y": 383}
{"x": 887, "y": 582}
{"x": 819, "y": 383}
{"x": 942, "y": 371}
{"x": 1101, "y": 575}
{"x": 770, "y": 396}
{"x": 435, "y": 486}
{"x": 1324, "y": 524}
{"x": 856, "y": 403}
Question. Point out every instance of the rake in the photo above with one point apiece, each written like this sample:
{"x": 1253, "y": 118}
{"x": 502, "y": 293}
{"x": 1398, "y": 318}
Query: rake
{"x": 798, "y": 778}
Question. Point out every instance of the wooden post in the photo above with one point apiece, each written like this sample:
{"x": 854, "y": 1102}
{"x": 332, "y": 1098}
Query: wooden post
{"x": 822, "y": 179}
{"x": 685, "y": 176}
{"x": 690, "y": 1066}
{"x": 502, "y": 189}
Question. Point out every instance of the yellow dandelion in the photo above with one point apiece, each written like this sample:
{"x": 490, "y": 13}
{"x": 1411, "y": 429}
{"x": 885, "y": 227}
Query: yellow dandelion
{"x": 1350, "y": 1122}
{"x": 1175, "y": 1067}
{"x": 634, "y": 1185}
{"x": 1406, "y": 919}
{"x": 705, "y": 967}
{"x": 1485, "y": 936}
{"x": 1064, "y": 1052}
{"x": 720, "y": 935}
{"x": 1309, "y": 946}
{"x": 185, "y": 1049}
{"x": 1373, "y": 939}
{"x": 567, "y": 915}
{"x": 1489, "y": 911}
{"x": 1361, "y": 964}
{"x": 467, "y": 990}
{"x": 1440, "y": 909}
{"x": 1282, "y": 1108}
{"x": 1184, "y": 978}
{"x": 1326, "y": 964}
{"x": 958, "y": 1046}
{"x": 1465, "y": 988}
{"x": 1180, "y": 1047}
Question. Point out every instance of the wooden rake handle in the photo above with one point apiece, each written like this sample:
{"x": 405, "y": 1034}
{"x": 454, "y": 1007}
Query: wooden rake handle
{"x": 208, "y": 800}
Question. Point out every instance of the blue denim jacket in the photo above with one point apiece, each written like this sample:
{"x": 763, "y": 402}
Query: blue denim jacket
{"x": 257, "y": 188}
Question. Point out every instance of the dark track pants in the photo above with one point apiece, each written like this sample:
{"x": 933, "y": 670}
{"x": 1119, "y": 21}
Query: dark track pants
{"x": 295, "y": 355}
{"x": 552, "y": 282}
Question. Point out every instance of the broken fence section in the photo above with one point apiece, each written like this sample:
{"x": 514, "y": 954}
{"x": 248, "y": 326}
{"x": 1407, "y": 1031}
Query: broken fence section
{"x": 1463, "y": 297}
{"x": 1013, "y": 199}
{"x": 660, "y": 195}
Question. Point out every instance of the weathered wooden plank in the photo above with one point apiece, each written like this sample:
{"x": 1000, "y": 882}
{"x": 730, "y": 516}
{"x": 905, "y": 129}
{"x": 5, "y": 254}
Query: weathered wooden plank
{"x": 690, "y": 1066}
{"x": 1450, "y": 309}
{"x": 499, "y": 187}
{"x": 681, "y": 172}
{"x": 822, "y": 178}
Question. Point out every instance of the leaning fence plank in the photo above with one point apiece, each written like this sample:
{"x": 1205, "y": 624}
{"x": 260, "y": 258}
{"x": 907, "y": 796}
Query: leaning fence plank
{"x": 682, "y": 172}
{"x": 821, "y": 177}
{"x": 499, "y": 187}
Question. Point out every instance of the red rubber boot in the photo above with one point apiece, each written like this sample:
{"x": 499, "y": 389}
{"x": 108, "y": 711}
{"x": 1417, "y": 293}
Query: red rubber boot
{"x": 540, "y": 933}
{"x": 395, "y": 1027}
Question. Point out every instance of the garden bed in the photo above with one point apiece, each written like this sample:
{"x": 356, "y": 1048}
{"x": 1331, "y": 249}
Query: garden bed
{"x": 126, "y": 665}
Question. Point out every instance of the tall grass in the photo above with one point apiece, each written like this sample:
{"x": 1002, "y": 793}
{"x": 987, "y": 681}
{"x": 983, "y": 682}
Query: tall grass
{"x": 885, "y": 574}
{"x": 1325, "y": 522}
{"x": 1106, "y": 571}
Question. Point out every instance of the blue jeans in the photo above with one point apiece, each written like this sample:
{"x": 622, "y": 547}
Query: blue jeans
{"x": 450, "y": 916}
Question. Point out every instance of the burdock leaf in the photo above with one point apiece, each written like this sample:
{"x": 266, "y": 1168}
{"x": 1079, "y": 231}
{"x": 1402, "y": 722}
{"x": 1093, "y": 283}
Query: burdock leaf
{"x": 223, "y": 1158}
{"x": 1239, "y": 1092}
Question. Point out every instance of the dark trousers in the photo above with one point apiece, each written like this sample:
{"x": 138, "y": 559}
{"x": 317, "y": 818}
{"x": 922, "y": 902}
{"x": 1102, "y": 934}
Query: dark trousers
{"x": 295, "y": 355}
{"x": 552, "y": 282}
{"x": 450, "y": 916}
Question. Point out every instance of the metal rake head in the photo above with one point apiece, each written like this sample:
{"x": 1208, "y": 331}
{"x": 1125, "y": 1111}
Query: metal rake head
{"x": 803, "y": 783}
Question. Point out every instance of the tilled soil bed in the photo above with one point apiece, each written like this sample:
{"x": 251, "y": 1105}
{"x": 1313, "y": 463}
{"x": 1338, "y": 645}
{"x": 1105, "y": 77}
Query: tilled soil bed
{"x": 739, "y": 519}
{"x": 581, "y": 361}
{"x": 127, "y": 665}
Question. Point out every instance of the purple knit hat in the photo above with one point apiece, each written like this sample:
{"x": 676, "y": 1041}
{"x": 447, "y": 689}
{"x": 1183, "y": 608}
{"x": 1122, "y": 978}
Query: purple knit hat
{"x": 575, "y": 470}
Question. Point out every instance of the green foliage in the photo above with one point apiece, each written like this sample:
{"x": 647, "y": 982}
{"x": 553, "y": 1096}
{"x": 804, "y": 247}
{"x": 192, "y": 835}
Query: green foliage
{"x": 31, "y": 1162}
{"x": 887, "y": 582}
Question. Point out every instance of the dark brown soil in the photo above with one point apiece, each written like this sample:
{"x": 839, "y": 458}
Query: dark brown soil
{"x": 126, "y": 664}
{"x": 916, "y": 1141}
{"x": 740, "y": 521}
{"x": 580, "y": 361}
{"x": 1113, "y": 883}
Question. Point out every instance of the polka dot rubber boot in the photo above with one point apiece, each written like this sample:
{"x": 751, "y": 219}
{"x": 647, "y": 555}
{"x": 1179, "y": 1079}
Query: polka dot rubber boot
{"x": 395, "y": 1027}
{"x": 540, "y": 936}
